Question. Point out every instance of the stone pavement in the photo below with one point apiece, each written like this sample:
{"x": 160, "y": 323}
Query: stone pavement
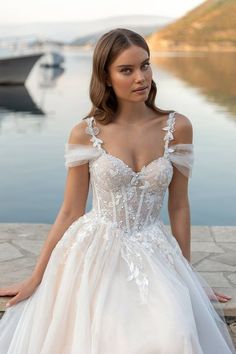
{"x": 213, "y": 256}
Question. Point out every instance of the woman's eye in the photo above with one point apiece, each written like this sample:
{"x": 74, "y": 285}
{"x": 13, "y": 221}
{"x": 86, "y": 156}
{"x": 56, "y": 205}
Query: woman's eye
{"x": 125, "y": 70}
{"x": 147, "y": 65}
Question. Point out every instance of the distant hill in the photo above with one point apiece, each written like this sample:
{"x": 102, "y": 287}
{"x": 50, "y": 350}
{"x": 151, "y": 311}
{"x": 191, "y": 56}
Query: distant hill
{"x": 91, "y": 39}
{"x": 71, "y": 31}
{"x": 210, "y": 26}
{"x": 143, "y": 24}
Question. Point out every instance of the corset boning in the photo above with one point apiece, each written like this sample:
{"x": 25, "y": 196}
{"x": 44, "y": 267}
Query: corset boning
{"x": 130, "y": 201}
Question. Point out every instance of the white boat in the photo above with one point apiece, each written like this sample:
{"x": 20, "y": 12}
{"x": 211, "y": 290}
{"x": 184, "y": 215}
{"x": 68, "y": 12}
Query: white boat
{"x": 14, "y": 70}
{"x": 52, "y": 60}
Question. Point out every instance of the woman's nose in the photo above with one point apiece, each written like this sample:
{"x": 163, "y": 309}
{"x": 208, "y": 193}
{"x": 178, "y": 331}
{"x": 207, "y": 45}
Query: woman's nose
{"x": 139, "y": 76}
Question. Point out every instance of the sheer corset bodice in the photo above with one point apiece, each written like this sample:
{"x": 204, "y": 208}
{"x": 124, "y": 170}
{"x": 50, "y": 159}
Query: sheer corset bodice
{"x": 127, "y": 199}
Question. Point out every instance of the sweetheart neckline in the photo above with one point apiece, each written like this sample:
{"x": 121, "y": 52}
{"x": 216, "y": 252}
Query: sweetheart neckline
{"x": 130, "y": 168}
{"x": 97, "y": 143}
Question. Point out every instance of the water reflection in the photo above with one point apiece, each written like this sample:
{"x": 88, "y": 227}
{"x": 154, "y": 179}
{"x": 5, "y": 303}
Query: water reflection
{"x": 48, "y": 76}
{"x": 18, "y": 99}
{"x": 213, "y": 73}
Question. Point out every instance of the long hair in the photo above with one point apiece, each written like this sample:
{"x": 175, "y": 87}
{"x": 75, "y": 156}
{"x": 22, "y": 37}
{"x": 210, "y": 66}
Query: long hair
{"x": 107, "y": 49}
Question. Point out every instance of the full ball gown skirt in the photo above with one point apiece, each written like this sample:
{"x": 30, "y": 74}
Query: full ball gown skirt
{"x": 117, "y": 281}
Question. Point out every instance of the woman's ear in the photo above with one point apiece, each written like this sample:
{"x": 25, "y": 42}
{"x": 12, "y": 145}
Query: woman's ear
{"x": 108, "y": 83}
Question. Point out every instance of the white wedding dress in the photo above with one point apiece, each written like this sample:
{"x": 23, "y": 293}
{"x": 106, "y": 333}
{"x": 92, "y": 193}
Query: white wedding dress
{"x": 117, "y": 281}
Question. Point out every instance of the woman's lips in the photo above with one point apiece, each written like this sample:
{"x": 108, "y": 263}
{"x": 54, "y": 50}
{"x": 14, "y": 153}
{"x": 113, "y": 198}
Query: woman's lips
{"x": 141, "y": 90}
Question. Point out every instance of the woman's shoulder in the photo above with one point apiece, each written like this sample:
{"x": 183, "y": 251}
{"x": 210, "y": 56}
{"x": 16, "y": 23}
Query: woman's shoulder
{"x": 78, "y": 134}
{"x": 79, "y": 149}
{"x": 183, "y": 130}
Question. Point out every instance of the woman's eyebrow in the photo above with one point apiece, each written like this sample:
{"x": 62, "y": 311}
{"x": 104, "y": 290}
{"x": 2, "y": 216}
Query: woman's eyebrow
{"x": 119, "y": 66}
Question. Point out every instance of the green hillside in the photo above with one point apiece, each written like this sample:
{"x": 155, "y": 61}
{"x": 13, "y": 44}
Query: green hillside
{"x": 212, "y": 25}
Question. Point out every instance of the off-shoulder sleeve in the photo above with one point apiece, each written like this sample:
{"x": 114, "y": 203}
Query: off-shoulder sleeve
{"x": 79, "y": 154}
{"x": 182, "y": 157}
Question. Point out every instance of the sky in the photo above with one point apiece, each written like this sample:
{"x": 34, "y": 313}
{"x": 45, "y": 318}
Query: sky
{"x": 25, "y": 11}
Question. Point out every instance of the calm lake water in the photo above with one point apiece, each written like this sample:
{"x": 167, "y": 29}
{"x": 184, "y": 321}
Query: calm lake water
{"x": 35, "y": 124}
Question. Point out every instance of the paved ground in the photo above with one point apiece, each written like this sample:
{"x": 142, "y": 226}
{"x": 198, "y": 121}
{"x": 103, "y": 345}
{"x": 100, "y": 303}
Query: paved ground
{"x": 213, "y": 256}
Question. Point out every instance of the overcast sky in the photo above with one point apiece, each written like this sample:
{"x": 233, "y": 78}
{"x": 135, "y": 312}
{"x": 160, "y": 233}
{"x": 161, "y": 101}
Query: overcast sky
{"x": 21, "y": 11}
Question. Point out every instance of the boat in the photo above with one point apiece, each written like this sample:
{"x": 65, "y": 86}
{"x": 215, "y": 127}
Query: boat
{"x": 52, "y": 60}
{"x": 14, "y": 70}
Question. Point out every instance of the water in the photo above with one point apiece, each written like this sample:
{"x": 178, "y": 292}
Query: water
{"x": 35, "y": 123}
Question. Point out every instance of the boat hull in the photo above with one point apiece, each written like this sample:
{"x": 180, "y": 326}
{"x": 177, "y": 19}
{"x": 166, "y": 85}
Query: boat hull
{"x": 15, "y": 70}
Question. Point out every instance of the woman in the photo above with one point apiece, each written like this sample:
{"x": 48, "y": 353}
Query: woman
{"x": 113, "y": 280}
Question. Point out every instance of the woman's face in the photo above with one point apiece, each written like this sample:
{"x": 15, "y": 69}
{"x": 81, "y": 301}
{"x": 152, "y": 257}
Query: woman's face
{"x": 130, "y": 71}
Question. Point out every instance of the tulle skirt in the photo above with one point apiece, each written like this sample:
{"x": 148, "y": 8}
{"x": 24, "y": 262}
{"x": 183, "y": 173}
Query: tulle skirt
{"x": 105, "y": 292}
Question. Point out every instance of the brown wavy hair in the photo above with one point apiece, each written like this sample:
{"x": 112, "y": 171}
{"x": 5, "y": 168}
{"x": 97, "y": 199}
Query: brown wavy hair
{"x": 107, "y": 49}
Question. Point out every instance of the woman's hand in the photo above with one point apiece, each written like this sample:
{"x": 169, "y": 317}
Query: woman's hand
{"x": 221, "y": 297}
{"x": 21, "y": 290}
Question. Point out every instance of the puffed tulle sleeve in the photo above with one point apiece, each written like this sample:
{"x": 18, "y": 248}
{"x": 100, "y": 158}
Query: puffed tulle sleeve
{"x": 78, "y": 154}
{"x": 182, "y": 157}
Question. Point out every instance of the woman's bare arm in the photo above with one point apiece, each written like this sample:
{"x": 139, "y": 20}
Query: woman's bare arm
{"x": 178, "y": 203}
{"x": 73, "y": 206}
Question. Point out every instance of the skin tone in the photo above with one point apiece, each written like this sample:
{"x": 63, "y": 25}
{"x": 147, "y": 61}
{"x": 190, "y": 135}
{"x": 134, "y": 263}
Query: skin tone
{"x": 126, "y": 74}
{"x": 134, "y": 122}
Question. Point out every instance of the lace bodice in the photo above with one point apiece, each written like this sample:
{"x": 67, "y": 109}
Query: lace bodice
{"x": 127, "y": 199}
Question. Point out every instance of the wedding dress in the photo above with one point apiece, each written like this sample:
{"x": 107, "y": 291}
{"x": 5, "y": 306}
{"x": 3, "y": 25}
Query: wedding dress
{"x": 117, "y": 281}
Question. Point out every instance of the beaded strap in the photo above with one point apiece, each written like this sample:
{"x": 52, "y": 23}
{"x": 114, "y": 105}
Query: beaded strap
{"x": 93, "y": 131}
{"x": 169, "y": 133}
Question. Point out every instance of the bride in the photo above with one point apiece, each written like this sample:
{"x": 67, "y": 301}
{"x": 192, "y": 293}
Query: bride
{"x": 113, "y": 280}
